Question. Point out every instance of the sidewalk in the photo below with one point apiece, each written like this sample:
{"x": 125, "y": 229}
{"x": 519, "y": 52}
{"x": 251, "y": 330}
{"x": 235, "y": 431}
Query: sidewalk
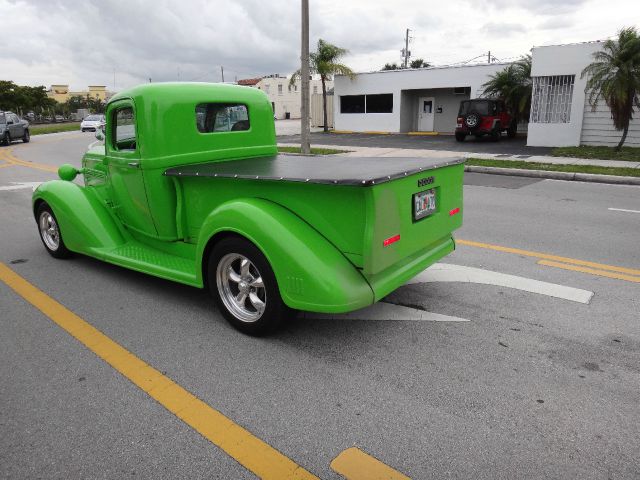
{"x": 406, "y": 152}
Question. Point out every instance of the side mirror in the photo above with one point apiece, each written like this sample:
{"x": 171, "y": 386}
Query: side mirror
{"x": 68, "y": 172}
{"x": 100, "y": 133}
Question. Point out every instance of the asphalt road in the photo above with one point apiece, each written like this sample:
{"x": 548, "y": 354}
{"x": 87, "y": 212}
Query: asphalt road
{"x": 531, "y": 386}
{"x": 513, "y": 146}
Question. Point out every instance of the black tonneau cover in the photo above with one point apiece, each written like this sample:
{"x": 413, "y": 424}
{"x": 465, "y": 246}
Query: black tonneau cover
{"x": 333, "y": 169}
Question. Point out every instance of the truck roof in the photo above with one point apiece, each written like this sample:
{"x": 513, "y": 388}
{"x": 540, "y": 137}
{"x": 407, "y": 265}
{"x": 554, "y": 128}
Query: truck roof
{"x": 333, "y": 170}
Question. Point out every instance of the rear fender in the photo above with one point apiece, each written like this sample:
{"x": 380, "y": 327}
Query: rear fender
{"x": 85, "y": 223}
{"x": 312, "y": 274}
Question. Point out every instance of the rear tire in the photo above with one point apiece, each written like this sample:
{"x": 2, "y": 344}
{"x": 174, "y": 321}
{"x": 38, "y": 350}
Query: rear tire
{"x": 49, "y": 230}
{"x": 6, "y": 140}
{"x": 245, "y": 288}
{"x": 460, "y": 136}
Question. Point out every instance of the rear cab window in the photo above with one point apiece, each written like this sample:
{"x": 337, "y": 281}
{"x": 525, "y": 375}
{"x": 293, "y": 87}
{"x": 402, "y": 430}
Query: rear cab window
{"x": 222, "y": 117}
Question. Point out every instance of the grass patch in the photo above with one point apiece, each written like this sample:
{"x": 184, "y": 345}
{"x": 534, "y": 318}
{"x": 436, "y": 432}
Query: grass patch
{"x": 552, "y": 167}
{"x": 65, "y": 127}
{"x": 314, "y": 151}
{"x": 627, "y": 154}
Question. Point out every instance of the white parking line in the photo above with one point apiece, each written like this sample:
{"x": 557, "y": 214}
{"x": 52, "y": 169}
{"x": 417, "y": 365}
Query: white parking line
{"x": 442, "y": 272}
{"x": 386, "y": 311}
{"x": 623, "y": 210}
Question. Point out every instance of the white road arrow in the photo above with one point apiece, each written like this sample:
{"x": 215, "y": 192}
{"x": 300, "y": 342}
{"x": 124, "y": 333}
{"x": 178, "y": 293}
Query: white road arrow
{"x": 443, "y": 272}
{"x": 20, "y": 186}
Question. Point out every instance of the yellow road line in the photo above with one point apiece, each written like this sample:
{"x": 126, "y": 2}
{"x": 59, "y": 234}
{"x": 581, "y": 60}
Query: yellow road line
{"x": 354, "y": 464}
{"x": 251, "y": 452}
{"x": 545, "y": 256}
{"x": 9, "y": 157}
{"x": 592, "y": 271}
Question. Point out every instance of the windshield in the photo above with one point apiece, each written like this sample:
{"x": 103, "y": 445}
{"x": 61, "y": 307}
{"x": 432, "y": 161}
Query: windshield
{"x": 93, "y": 118}
{"x": 480, "y": 106}
{"x": 2, "y": 118}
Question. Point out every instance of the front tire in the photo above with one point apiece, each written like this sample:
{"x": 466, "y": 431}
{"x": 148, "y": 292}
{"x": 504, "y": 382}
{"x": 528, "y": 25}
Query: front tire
{"x": 244, "y": 287}
{"x": 27, "y": 136}
{"x": 50, "y": 232}
{"x": 512, "y": 131}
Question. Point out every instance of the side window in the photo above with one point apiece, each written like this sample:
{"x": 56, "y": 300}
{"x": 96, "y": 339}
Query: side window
{"x": 222, "y": 117}
{"x": 124, "y": 129}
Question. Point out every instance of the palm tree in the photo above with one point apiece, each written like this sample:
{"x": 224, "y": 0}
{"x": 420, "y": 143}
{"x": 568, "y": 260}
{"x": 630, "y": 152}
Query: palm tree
{"x": 614, "y": 76}
{"x": 324, "y": 62}
{"x": 513, "y": 85}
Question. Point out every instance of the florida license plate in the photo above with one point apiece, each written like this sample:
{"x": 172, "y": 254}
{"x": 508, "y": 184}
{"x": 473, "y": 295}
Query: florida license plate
{"x": 424, "y": 204}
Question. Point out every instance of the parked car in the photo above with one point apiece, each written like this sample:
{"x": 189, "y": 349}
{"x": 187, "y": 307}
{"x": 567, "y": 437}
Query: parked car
{"x": 482, "y": 116}
{"x": 59, "y": 118}
{"x": 13, "y": 128}
{"x": 189, "y": 186}
{"x": 92, "y": 122}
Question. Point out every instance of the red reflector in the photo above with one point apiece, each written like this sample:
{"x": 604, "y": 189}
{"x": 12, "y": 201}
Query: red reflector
{"x": 391, "y": 240}
{"x": 454, "y": 211}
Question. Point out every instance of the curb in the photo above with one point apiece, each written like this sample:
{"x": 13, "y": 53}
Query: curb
{"x": 568, "y": 176}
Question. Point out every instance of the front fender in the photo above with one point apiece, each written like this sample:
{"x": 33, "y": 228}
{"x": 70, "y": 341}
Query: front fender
{"x": 312, "y": 274}
{"x": 84, "y": 222}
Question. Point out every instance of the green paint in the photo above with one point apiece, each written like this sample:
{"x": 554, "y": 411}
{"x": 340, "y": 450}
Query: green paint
{"x": 324, "y": 242}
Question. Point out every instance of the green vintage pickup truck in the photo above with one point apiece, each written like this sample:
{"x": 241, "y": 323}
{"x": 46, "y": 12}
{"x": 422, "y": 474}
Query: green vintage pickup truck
{"x": 189, "y": 186}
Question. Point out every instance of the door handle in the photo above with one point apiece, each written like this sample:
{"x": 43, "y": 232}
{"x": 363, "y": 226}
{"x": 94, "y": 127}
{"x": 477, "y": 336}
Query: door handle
{"x": 134, "y": 164}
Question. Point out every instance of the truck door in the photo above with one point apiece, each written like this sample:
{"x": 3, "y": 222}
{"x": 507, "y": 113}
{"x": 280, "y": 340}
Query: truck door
{"x": 15, "y": 128}
{"x": 125, "y": 169}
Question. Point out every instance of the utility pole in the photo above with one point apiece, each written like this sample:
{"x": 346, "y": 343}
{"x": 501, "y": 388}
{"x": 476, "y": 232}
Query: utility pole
{"x": 489, "y": 56}
{"x": 222, "y": 71}
{"x": 304, "y": 77}
{"x": 406, "y": 53}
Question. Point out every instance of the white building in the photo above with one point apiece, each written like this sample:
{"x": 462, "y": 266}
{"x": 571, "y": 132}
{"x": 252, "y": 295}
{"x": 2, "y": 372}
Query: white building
{"x": 560, "y": 110}
{"x": 427, "y": 100}
{"x": 411, "y": 100}
{"x": 285, "y": 98}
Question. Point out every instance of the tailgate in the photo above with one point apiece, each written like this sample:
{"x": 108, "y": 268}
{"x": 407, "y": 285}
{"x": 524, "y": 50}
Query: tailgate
{"x": 398, "y": 229}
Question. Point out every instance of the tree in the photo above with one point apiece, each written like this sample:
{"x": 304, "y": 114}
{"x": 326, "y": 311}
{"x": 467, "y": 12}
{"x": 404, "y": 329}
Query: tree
{"x": 391, "y": 66}
{"x": 614, "y": 75}
{"x": 513, "y": 85}
{"x": 324, "y": 62}
{"x": 419, "y": 63}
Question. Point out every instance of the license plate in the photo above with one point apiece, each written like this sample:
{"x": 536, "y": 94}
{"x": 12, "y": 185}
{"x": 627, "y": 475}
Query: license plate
{"x": 424, "y": 204}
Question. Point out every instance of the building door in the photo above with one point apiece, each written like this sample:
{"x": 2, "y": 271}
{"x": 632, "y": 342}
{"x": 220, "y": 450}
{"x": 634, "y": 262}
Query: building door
{"x": 425, "y": 114}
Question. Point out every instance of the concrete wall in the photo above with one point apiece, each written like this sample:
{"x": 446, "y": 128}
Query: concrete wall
{"x": 317, "y": 111}
{"x": 562, "y": 60}
{"x": 398, "y": 83}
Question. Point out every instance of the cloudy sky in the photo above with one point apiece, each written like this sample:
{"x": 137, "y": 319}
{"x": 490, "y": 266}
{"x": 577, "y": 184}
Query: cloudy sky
{"x": 121, "y": 43}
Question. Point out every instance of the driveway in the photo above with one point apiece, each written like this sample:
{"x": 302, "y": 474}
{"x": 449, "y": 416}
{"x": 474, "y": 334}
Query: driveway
{"x": 515, "y": 146}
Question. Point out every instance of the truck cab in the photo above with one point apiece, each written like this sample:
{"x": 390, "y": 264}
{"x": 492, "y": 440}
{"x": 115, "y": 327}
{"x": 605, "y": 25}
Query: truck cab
{"x": 189, "y": 186}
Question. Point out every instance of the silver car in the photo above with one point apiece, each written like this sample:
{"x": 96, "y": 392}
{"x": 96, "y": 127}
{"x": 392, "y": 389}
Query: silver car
{"x": 92, "y": 122}
{"x": 13, "y": 128}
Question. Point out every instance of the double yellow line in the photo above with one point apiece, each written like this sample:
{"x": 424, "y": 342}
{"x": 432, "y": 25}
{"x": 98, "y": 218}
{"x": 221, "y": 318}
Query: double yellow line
{"x": 6, "y": 154}
{"x": 566, "y": 263}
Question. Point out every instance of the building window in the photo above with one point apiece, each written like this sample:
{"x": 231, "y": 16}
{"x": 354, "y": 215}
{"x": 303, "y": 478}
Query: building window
{"x": 315, "y": 89}
{"x": 222, "y": 117}
{"x": 382, "y": 103}
{"x": 551, "y": 99}
{"x": 266, "y": 89}
{"x": 289, "y": 88}
{"x": 352, "y": 104}
{"x": 279, "y": 89}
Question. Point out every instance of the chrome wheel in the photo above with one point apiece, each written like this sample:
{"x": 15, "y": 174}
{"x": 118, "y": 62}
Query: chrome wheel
{"x": 241, "y": 287}
{"x": 472, "y": 120}
{"x": 49, "y": 230}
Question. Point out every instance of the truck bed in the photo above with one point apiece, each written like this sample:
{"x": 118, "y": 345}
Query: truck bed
{"x": 330, "y": 169}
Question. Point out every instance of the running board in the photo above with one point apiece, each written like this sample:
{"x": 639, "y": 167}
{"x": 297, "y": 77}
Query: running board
{"x": 142, "y": 258}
